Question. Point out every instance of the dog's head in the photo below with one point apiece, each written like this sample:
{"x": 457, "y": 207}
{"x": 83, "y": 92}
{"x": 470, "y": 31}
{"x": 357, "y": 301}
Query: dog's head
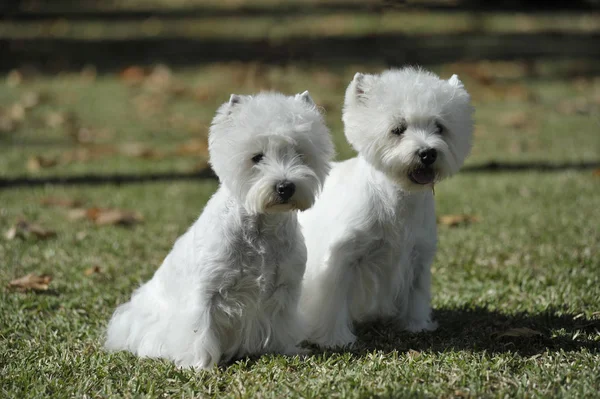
{"x": 271, "y": 151}
{"x": 409, "y": 124}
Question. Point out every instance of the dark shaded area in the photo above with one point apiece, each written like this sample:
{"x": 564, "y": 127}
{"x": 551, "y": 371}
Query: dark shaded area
{"x": 393, "y": 49}
{"x": 474, "y": 329}
{"x": 480, "y": 329}
{"x": 118, "y": 179}
{"x": 495, "y": 166}
{"x": 93, "y": 180}
{"x": 82, "y": 10}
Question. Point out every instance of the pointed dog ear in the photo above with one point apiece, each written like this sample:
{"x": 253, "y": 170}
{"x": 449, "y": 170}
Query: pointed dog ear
{"x": 235, "y": 99}
{"x": 361, "y": 86}
{"x": 455, "y": 81}
{"x": 306, "y": 98}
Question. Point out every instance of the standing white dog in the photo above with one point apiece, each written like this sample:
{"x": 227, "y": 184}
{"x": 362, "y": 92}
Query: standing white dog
{"x": 231, "y": 284}
{"x": 371, "y": 236}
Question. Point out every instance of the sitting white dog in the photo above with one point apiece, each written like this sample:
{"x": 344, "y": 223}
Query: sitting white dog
{"x": 231, "y": 284}
{"x": 371, "y": 236}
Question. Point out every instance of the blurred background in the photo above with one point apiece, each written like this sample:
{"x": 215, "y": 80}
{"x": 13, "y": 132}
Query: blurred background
{"x": 99, "y": 99}
{"x": 107, "y": 87}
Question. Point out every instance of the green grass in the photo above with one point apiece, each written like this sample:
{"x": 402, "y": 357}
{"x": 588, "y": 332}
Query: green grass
{"x": 531, "y": 260}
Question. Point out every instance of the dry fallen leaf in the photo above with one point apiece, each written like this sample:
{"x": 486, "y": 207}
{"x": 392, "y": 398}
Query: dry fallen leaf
{"x": 87, "y": 153}
{"x": 24, "y": 229}
{"x": 38, "y": 162}
{"x": 81, "y": 235}
{"x": 116, "y": 216}
{"x": 93, "y": 270}
{"x": 519, "y": 332}
{"x": 147, "y": 105}
{"x": 139, "y": 150}
{"x": 457, "y": 220}
{"x": 32, "y": 99}
{"x": 17, "y": 112}
{"x": 413, "y": 354}
{"x": 516, "y": 120}
{"x": 88, "y": 135}
{"x": 133, "y": 75}
{"x": 596, "y": 172}
{"x": 61, "y": 202}
{"x": 160, "y": 79}
{"x": 31, "y": 282}
{"x": 104, "y": 216}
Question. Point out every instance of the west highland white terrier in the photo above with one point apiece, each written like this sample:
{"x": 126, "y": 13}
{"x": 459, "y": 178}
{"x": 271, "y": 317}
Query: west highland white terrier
{"x": 371, "y": 236}
{"x": 231, "y": 284}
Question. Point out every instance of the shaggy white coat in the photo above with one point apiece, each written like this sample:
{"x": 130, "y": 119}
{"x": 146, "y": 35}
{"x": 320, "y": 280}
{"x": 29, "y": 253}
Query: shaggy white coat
{"x": 371, "y": 236}
{"x": 231, "y": 284}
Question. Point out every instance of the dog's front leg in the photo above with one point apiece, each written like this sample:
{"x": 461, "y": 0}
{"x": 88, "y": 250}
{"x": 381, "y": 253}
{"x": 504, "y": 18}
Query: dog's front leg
{"x": 326, "y": 303}
{"x": 419, "y": 300}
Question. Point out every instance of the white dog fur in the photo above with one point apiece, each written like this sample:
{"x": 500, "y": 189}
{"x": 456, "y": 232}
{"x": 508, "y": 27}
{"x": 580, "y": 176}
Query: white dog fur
{"x": 371, "y": 236}
{"x": 231, "y": 284}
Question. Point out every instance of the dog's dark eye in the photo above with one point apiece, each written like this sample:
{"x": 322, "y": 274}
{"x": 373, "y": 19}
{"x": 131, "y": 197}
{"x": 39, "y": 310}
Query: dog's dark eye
{"x": 439, "y": 128}
{"x": 400, "y": 129}
{"x": 257, "y": 158}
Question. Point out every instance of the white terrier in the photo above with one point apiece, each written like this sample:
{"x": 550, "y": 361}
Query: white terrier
{"x": 371, "y": 236}
{"x": 231, "y": 284}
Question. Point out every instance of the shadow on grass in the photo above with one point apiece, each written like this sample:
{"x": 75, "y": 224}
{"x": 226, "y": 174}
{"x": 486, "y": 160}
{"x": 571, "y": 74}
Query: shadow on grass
{"x": 479, "y": 329}
{"x": 472, "y": 329}
{"x": 118, "y": 179}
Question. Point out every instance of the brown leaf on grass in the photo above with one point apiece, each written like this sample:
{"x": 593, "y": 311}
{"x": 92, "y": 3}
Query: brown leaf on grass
{"x": 37, "y": 162}
{"x": 31, "y": 282}
{"x": 160, "y": 79}
{"x": 61, "y": 202}
{"x": 16, "y": 112}
{"x": 519, "y": 332}
{"x": 139, "y": 150}
{"x": 147, "y": 105}
{"x": 24, "y": 229}
{"x": 106, "y": 216}
{"x": 77, "y": 213}
{"x": 32, "y": 99}
{"x": 88, "y": 153}
{"x": 54, "y": 119}
{"x": 81, "y": 235}
{"x": 120, "y": 217}
{"x": 194, "y": 147}
{"x": 596, "y": 172}
{"x": 515, "y": 120}
{"x": 133, "y": 75}
{"x": 93, "y": 270}
{"x": 87, "y": 135}
{"x": 457, "y": 220}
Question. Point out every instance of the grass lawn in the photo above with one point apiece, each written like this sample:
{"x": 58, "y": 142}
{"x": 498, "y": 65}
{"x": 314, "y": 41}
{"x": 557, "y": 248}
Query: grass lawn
{"x": 517, "y": 293}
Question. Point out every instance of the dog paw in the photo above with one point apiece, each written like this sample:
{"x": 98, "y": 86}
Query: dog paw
{"x": 421, "y": 325}
{"x": 345, "y": 341}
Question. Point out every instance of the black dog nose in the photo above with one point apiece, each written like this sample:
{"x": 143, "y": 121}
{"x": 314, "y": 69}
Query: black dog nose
{"x": 428, "y": 156}
{"x": 285, "y": 190}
